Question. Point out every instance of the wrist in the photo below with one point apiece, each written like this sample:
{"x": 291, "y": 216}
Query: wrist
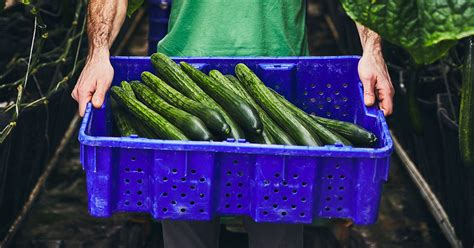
{"x": 98, "y": 54}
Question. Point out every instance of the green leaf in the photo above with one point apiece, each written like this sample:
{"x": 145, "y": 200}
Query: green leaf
{"x": 133, "y": 5}
{"x": 427, "y": 29}
{"x": 2, "y": 5}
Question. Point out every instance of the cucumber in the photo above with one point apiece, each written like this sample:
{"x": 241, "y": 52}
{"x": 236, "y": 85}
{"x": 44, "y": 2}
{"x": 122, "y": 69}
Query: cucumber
{"x": 123, "y": 123}
{"x": 211, "y": 117}
{"x": 326, "y": 136}
{"x": 274, "y": 107}
{"x": 156, "y": 122}
{"x": 189, "y": 124}
{"x": 466, "y": 112}
{"x": 245, "y": 115}
{"x": 127, "y": 88}
{"x": 175, "y": 76}
{"x": 353, "y": 132}
{"x": 143, "y": 130}
{"x": 269, "y": 126}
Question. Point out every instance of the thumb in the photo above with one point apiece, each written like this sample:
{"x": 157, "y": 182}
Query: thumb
{"x": 99, "y": 95}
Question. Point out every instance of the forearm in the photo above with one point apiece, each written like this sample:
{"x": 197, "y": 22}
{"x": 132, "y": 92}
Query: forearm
{"x": 105, "y": 18}
{"x": 370, "y": 40}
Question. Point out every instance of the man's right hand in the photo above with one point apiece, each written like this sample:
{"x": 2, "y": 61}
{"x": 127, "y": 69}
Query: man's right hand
{"x": 94, "y": 81}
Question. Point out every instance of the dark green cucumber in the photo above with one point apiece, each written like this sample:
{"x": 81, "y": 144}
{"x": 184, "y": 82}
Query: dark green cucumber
{"x": 143, "y": 130}
{"x": 174, "y": 75}
{"x": 163, "y": 128}
{"x": 213, "y": 119}
{"x": 269, "y": 126}
{"x": 244, "y": 114}
{"x": 353, "y": 132}
{"x": 274, "y": 107}
{"x": 189, "y": 124}
{"x": 123, "y": 123}
{"x": 127, "y": 88}
{"x": 466, "y": 112}
{"x": 326, "y": 136}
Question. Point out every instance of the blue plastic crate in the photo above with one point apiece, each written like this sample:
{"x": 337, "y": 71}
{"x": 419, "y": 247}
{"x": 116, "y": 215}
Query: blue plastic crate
{"x": 189, "y": 180}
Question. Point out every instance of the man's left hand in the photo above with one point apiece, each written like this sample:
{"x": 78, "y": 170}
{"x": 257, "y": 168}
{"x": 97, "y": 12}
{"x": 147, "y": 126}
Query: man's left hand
{"x": 376, "y": 81}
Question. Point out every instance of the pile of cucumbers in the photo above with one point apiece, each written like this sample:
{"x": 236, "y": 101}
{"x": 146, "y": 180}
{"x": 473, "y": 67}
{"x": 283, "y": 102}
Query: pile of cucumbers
{"x": 183, "y": 103}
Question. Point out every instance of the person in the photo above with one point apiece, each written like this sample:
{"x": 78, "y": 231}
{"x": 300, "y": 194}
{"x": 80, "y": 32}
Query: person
{"x": 224, "y": 28}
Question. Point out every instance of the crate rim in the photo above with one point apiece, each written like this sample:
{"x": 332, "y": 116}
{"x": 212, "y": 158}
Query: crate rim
{"x": 239, "y": 146}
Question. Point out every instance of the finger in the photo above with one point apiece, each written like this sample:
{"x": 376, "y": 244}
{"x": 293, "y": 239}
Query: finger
{"x": 84, "y": 98}
{"x": 369, "y": 90}
{"x": 386, "y": 101}
{"x": 99, "y": 95}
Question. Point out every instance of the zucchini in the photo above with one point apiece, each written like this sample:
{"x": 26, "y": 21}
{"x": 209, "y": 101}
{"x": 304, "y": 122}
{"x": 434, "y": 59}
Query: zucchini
{"x": 353, "y": 132}
{"x": 160, "y": 125}
{"x": 274, "y": 107}
{"x": 327, "y": 136}
{"x": 269, "y": 125}
{"x": 174, "y": 75}
{"x": 245, "y": 115}
{"x": 211, "y": 117}
{"x": 122, "y": 122}
{"x": 127, "y": 88}
{"x": 189, "y": 124}
{"x": 466, "y": 112}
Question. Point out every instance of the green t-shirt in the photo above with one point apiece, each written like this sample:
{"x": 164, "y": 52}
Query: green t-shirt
{"x": 236, "y": 28}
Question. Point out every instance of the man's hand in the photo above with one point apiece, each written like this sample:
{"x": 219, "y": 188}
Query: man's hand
{"x": 93, "y": 82}
{"x": 373, "y": 72}
{"x": 376, "y": 81}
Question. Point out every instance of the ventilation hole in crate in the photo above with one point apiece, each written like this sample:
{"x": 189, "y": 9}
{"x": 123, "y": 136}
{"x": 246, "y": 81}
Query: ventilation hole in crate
{"x": 229, "y": 173}
{"x": 182, "y": 210}
{"x": 344, "y": 85}
{"x": 227, "y": 205}
{"x": 239, "y": 206}
{"x": 240, "y": 184}
{"x": 340, "y": 198}
{"x": 235, "y": 161}
{"x": 341, "y": 188}
{"x": 277, "y": 87}
{"x": 276, "y": 190}
{"x": 265, "y": 213}
{"x": 277, "y": 175}
{"x": 139, "y": 192}
{"x": 139, "y": 203}
{"x": 202, "y": 179}
{"x": 227, "y": 195}
{"x": 192, "y": 202}
{"x": 312, "y": 99}
{"x": 201, "y": 210}
{"x": 201, "y": 195}
{"x": 139, "y": 169}
{"x": 327, "y": 208}
{"x": 228, "y": 184}
{"x": 342, "y": 176}
{"x": 293, "y": 206}
{"x": 320, "y": 106}
{"x": 283, "y": 213}
{"x": 284, "y": 198}
{"x": 127, "y": 203}
{"x": 133, "y": 158}
{"x": 328, "y": 114}
{"x": 183, "y": 179}
{"x": 240, "y": 173}
{"x": 337, "y": 106}
{"x": 266, "y": 198}
{"x": 239, "y": 195}
{"x": 127, "y": 192}
{"x": 338, "y": 166}
{"x": 328, "y": 198}
{"x": 285, "y": 183}
{"x": 164, "y": 194}
{"x": 303, "y": 199}
{"x": 337, "y": 93}
{"x": 127, "y": 169}
{"x": 173, "y": 202}
{"x": 302, "y": 214}
{"x": 127, "y": 180}
{"x": 305, "y": 93}
{"x": 193, "y": 171}
{"x": 312, "y": 86}
{"x": 328, "y": 86}
{"x": 295, "y": 176}
{"x": 192, "y": 187}
{"x": 344, "y": 99}
{"x": 183, "y": 195}
{"x": 330, "y": 176}
{"x": 164, "y": 210}
{"x": 304, "y": 184}
{"x": 174, "y": 187}
{"x": 294, "y": 191}
{"x": 329, "y": 187}
{"x": 344, "y": 114}
{"x": 275, "y": 205}
{"x": 165, "y": 179}
{"x": 339, "y": 209}
{"x": 328, "y": 99}
{"x": 174, "y": 171}
{"x": 266, "y": 182}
